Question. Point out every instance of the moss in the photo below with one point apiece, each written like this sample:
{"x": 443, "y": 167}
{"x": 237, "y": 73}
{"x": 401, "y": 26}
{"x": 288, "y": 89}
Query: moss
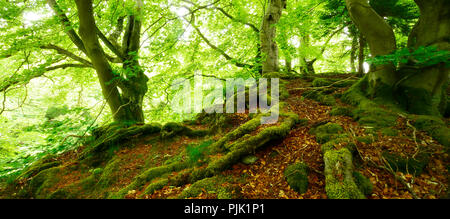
{"x": 250, "y": 159}
{"x": 149, "y": 175}
{"x": 150, "y": 189}
{"x": 44, "y": 163}
{"x": 110, "y": 174}
{"x": 403, "y": 164}
{"x": 342, "y": 111}
{"x": 434, "y": 126}
{"x": 364, "y": 184}
{"x": 389, "y": 132}
{"x": 419, "y": 101}
{"x": 111, "y": 138}
{"x": 321, "y": 82}
{"x": 341, "y": 140}
{"x": 327, "y": 132}
{"x": 320, "y": 97}
{"x": 209, "y": 185}
{"x": 368, "y": 112}
{"x": 297, "y": 177}
{"x": 339, "y": 175}
{"x": 41, "y": 183}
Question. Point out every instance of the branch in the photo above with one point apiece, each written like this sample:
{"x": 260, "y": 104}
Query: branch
{"x": 67, "y": 25}
{"x": 227, "y": 57}
{"x": 108, "y": 44}
{"x": 67, "y": 53}
{"x": 67, "y": 65}
{"x": 254, "y": 28}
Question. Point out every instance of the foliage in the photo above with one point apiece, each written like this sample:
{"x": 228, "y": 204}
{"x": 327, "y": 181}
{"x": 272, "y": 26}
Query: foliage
{"x": 420, "y": 57}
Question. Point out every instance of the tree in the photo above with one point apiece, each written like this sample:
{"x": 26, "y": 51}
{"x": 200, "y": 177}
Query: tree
{"x": 269, "y": 47}
{"x": 419, "y": 88}
{"x": 123, "y": 87}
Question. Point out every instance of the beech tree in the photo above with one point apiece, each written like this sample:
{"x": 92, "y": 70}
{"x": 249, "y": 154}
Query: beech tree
{"x": 419, "y": 87}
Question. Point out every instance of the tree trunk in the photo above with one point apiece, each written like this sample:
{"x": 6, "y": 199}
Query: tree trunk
{"x": 362, "y": 46}
{"x": 353, "y": 52}
{"x": 269, "y": 48}
{"x": 126, "y": 106}
{"x": 423, "y": 91}
{"x": 381, "y": 40}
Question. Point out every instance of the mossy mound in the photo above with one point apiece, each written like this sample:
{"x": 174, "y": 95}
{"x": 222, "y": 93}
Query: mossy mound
{"x": 390, "y": 131}
{"x": 364, "y": 184}
{"x": 327, "y": 132}
{"x": 320, "y": 97}
{"x": 108, "y": 139}
{"x": 342, "y": 111}
{"x": 434, "y": 126}
{"x": 369, "y": 112}
{"x": 46, "y": 162}
{"x": 297, "y": 177}
{"x": 414, "y": 166}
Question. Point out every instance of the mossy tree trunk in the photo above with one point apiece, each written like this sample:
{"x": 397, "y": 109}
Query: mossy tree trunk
{"x": 423, "y": 90}
{"x": 123, "y": 92}
{"x": 419, "y": 90}
{"x": 269, "y": 47}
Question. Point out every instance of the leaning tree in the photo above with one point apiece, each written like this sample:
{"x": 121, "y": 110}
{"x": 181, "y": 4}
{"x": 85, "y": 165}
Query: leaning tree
{"x": 417, "y": 76}
{"x": 105, "y": 37}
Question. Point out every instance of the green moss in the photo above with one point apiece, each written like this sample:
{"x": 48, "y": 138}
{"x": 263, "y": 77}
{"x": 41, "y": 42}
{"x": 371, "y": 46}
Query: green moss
{"x": 250, "y": 159}
{"x": 44, "y": 163}
{"x": 111, "y": 138}
{"x": 409, "y": 165}
{"x": 327, "y": 132}
{"x": 209, "y": 185}
{"x": 341, "y": 140}
{"x": 434, "y": 126}
{"x": 110, "y": 174}
{"x": 196, "y": 152}
{"x": 297, "y": 177}
{"x": 364, "y": 184}
{"x": 424, "y": 102}
{"x": 342, "y": 111}
{"x": 44, "y": 180}
{"x": 149, "y": 175}
{"x": 320, "y": 97}
{"x": 321, "y": 82}
{"x": 150, "y": 189}
{"x": 339, "y": 183}
{"x": 389, "y": 132}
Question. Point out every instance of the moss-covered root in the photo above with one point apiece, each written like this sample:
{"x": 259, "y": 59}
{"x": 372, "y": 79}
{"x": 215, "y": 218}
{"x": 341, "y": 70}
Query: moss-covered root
{"x": 94, "y": 154}
{"x": 212, "y": 185}
{"x": 297, "y": 177}
{"x": 339, "y": 182}
{"x": 148, "y": 176}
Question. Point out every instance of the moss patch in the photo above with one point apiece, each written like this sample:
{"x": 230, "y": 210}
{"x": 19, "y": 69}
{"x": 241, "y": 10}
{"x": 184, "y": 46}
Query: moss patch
{"x": 297, "y": 177}
{"x": 403, "y": 164}
{"x": 327, "y": 132}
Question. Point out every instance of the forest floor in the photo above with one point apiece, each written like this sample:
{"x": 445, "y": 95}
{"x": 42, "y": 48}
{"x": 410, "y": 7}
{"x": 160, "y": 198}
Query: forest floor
{"x": 265, "y": 179}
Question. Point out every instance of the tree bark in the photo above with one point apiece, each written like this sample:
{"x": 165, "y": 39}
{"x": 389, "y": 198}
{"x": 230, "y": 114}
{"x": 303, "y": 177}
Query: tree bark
{"x": 269, "y": 48}
{"x": 353, "y": 52}
{"x": 126, "y": 106}
{"x": 381, "y": 40}
{"x": 362, "y": 46}
{"x": 423, "y": 91}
